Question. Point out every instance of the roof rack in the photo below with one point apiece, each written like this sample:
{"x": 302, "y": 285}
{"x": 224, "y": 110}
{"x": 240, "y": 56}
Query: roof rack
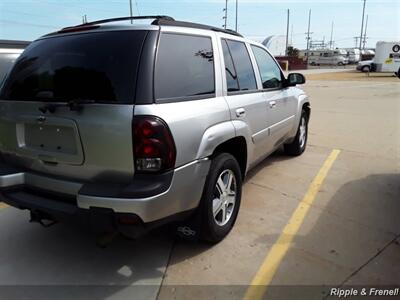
{"x": 169, "y": 22}
{"x": 158, "y": 20}
{"x": 120, "y": 19}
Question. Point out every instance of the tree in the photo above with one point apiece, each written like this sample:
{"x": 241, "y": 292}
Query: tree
{"x": 293, "y": 51}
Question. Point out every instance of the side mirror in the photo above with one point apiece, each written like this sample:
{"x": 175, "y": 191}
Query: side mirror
{"x": 295, "y": 78}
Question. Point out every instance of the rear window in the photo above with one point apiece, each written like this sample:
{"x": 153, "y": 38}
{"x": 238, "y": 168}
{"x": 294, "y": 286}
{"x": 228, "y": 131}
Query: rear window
{"x": 184, "y": 67}
{"x": 101, "y": 67}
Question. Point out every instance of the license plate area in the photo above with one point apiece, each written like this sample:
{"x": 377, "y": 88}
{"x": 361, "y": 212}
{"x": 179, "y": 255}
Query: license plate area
{"x": 50, "y": 139}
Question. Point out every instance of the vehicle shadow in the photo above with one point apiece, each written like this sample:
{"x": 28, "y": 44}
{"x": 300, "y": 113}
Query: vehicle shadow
{"x": 341, "y": 236}
{"x": 277, "y": 156}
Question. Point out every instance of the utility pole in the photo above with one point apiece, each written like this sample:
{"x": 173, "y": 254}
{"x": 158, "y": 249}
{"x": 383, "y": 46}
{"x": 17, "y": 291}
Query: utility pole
{"x": 356, "y": 39}
{"x": 287, "y": 33}
{"x": 308, "y": 33}
{"x": 130, "y": 10}
{"x": 236, "y": 24}
{"x": 365, "y": 33}
{"x": 226, "y": 13}
{"x": 362, "y": 24}
{"x": 331, "y": 41}
{"x": 291, "y": 36}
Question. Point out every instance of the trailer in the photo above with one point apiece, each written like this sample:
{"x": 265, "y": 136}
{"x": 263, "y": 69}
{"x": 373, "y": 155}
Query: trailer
{"x": 337, "y": 57}
{"x": 353, "y": 55}
{"x": 387, "y": 58}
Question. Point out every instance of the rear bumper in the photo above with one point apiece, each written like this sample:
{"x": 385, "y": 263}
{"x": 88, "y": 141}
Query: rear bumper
{"x": 156, "y": 199}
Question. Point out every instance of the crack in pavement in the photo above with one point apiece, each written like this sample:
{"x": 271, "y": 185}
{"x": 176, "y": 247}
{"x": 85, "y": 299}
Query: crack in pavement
{"x": 393, "y": 241}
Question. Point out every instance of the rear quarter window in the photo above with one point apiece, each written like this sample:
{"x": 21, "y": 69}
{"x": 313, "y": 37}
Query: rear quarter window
{"x": 184, "y": 67}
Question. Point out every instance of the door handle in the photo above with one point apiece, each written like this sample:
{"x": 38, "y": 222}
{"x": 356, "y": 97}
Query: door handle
{"x": 240, "y": 112}
{"x": 272, "y": 104}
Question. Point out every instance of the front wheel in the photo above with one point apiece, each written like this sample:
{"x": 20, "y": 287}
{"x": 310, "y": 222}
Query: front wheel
{"x": 299, "y": 143}
{"x": 221, "y": 198}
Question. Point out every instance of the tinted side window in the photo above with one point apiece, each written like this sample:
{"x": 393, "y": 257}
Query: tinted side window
{"x": 242, "y": 62}
{"x": 184, "y": 67}
{"x": 231, "y": 76}
{"x": 270, "y": 73}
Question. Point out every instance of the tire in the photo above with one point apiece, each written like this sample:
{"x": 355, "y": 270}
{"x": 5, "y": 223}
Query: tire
{"x": 340, "y": 63}
{"x": 398, "y": 73}
{"x": 216, "y": 204}
{"x": 298, "y": 145}
{"x": 312, "y": 63}
{"x": 365, "y": 69}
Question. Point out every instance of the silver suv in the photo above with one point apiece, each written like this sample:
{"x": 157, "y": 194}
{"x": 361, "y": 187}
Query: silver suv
{"x": 127, "y": 127}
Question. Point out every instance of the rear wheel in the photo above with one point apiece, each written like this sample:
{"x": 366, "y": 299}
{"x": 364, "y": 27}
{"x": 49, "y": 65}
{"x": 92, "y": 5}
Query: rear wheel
{"x": 340, "y": 63}
{"x": 299, "y": 143}
{"x": 221, "y": 198}
{"x": 365, "y": 69}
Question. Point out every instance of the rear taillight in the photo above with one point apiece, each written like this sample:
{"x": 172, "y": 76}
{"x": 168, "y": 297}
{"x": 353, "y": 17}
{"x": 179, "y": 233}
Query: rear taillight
{"x": 153, "y": 145}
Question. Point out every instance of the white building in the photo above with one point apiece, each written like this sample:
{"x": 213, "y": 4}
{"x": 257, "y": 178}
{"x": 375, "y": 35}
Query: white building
{"x": 276, "y": 44}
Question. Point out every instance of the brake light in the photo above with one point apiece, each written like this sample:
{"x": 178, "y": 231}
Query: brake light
{"x": 78, "y": 28}
{"x": 153, "y": 145}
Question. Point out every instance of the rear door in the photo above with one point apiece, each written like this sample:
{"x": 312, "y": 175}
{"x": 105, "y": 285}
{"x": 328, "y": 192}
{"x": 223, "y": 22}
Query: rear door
{"x": 245, "y": 101}
{"x": 66, "y": 107}
{"x": 281, "y": 105}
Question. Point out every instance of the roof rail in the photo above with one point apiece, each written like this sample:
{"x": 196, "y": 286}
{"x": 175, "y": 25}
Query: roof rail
{"x": 119, "y": 19}
{"x": 169, "y": 22}
{"x": 158, "y": 20}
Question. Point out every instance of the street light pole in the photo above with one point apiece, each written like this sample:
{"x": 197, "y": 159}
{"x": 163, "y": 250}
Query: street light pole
{"x": 287, "y": 32}
{"x": 362, "y": 25}
{"x": 236, "y": 26}
{"x": 130, "y": 9}
{"x": 308, "y": 33}
{"x": 365, "y": 33}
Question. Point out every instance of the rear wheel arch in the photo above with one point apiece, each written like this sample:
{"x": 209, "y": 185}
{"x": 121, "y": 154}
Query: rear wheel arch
{"x": 237, "y": 147}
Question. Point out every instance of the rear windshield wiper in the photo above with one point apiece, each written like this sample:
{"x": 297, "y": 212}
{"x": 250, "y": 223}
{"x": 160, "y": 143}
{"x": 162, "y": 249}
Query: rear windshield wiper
{"x": 73, "y": 105}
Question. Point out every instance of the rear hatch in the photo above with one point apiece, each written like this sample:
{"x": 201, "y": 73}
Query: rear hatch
{"x": 66, "y": 107}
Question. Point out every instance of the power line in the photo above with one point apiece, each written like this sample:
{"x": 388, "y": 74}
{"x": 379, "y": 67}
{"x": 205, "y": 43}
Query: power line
{"x": 27, "y": 24}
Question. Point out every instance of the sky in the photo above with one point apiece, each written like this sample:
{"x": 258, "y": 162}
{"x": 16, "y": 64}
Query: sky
{"x": 257, "y": 19}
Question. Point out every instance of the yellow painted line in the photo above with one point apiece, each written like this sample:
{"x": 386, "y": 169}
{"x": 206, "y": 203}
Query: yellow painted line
{"x": 3, "y": 205}
{"x": 268, "y": 268}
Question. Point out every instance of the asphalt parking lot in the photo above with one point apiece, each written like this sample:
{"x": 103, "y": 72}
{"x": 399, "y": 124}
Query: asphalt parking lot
{"x": 349, "y": 234}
